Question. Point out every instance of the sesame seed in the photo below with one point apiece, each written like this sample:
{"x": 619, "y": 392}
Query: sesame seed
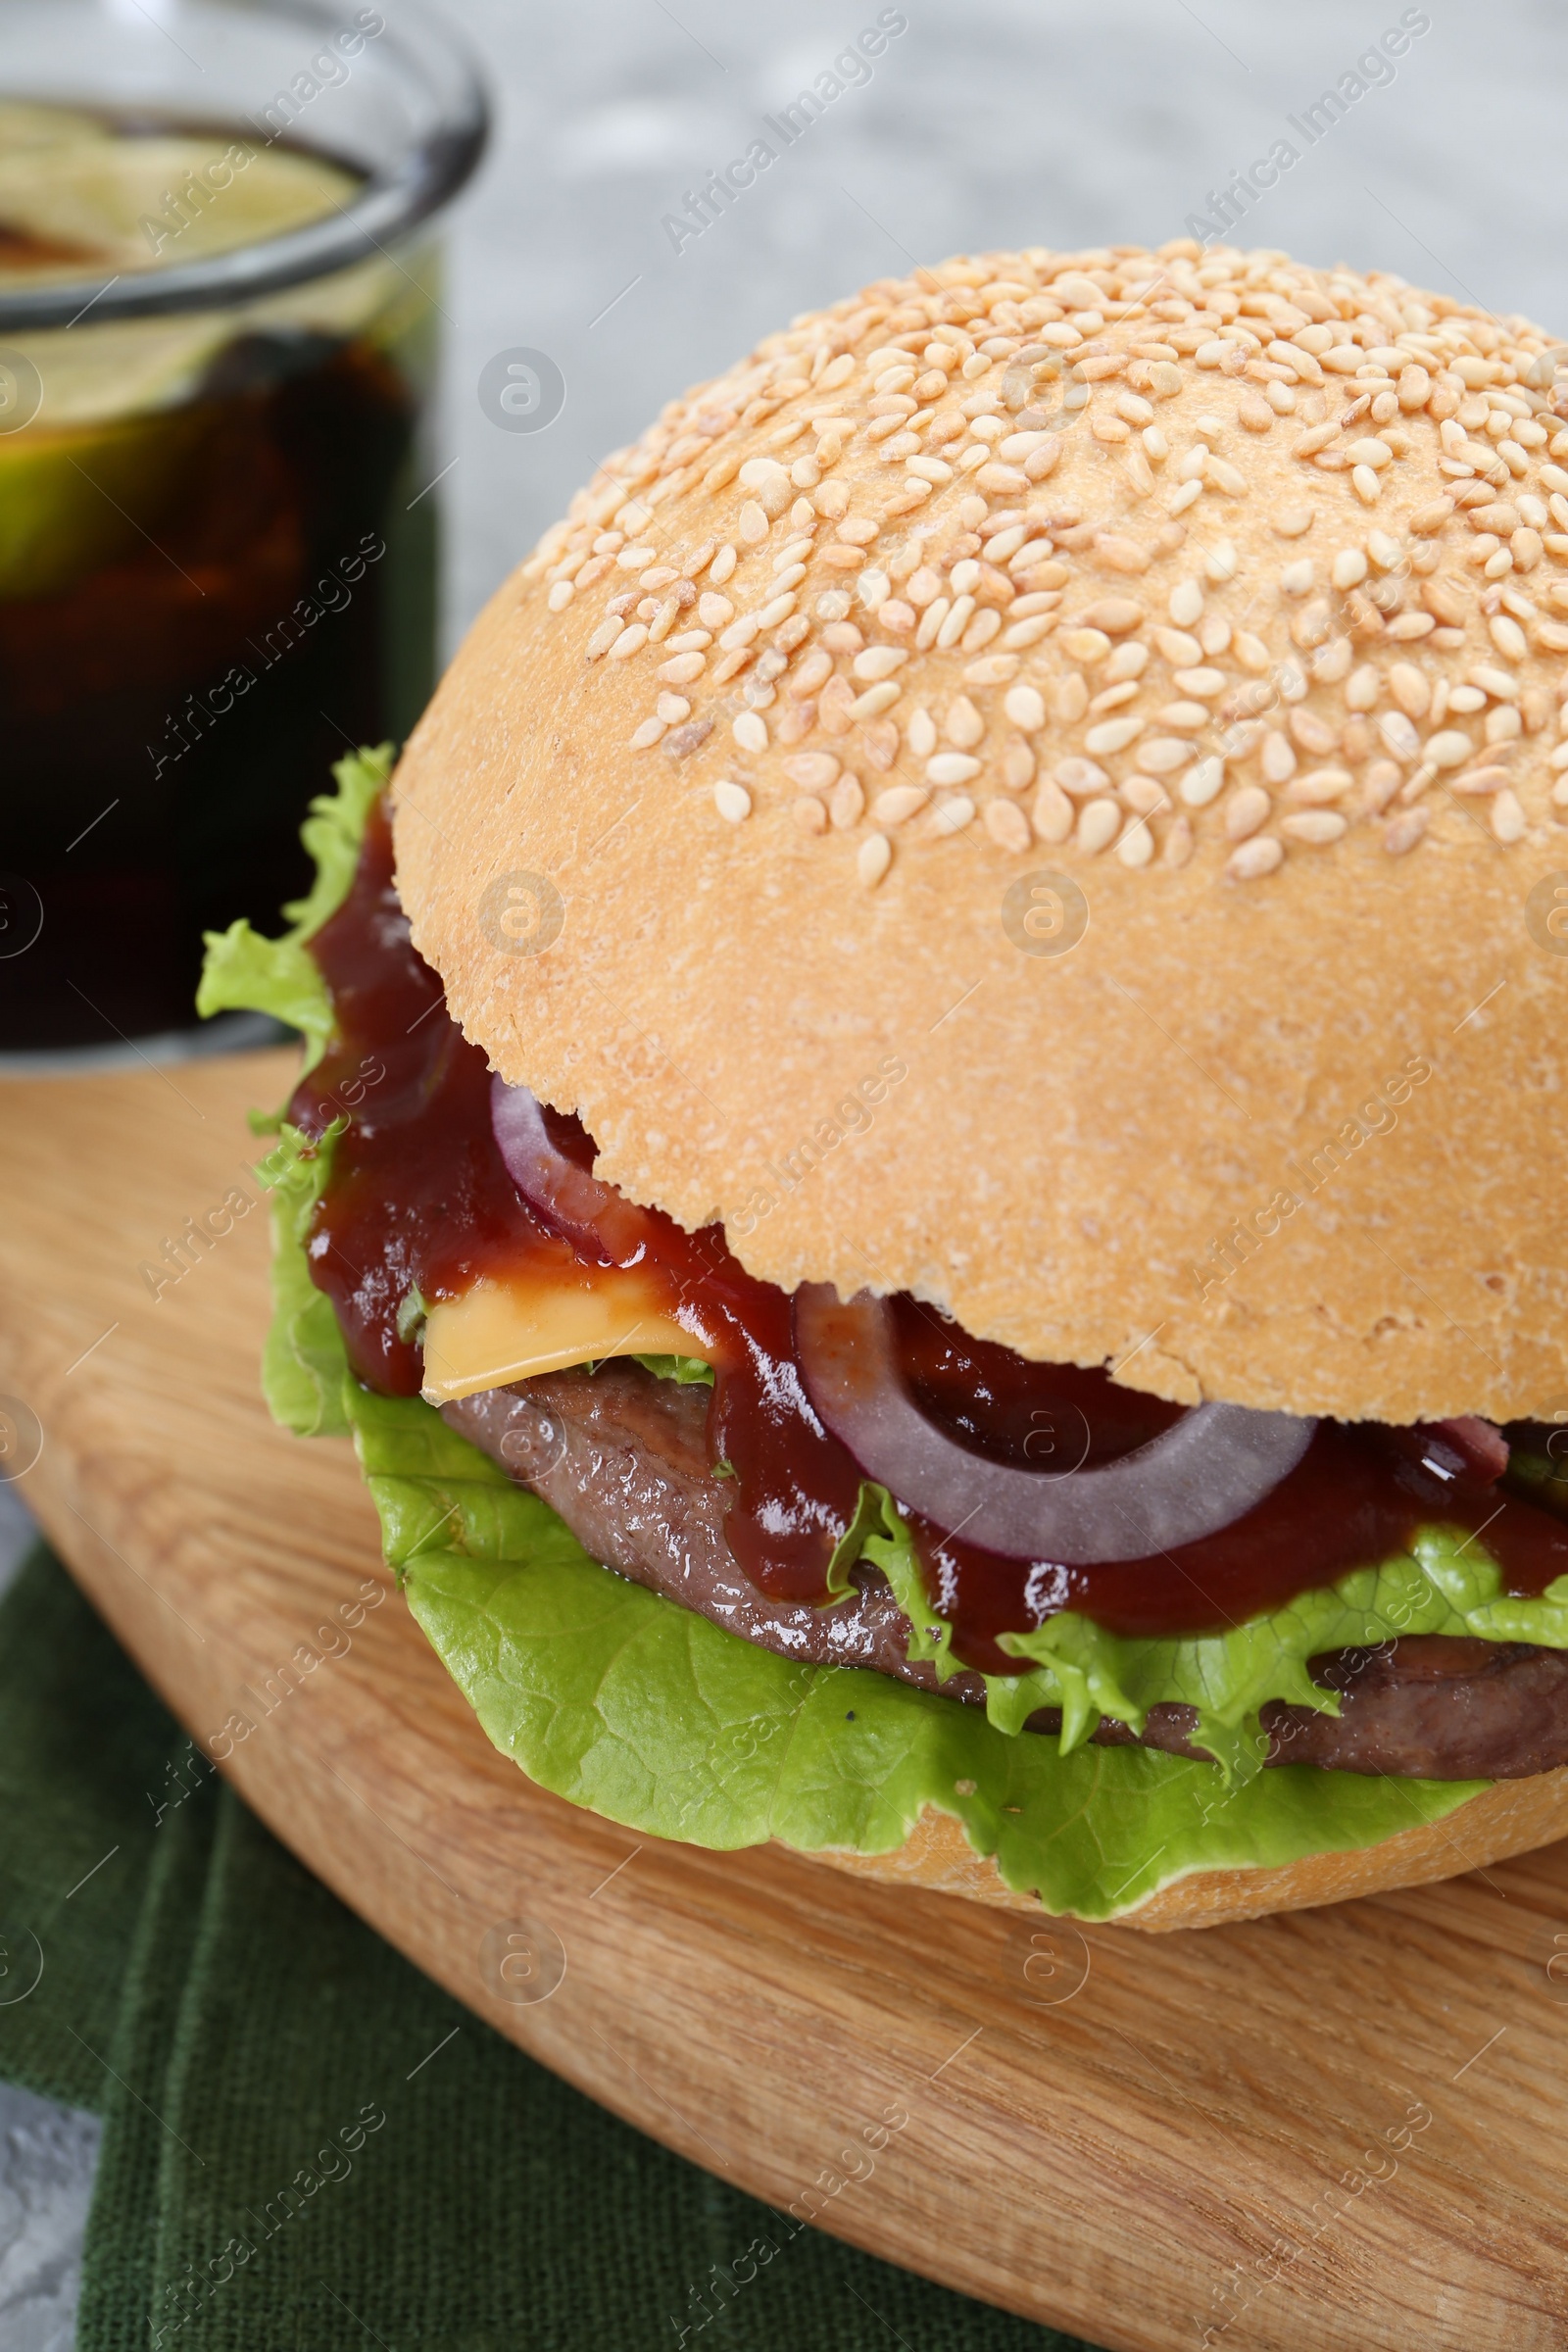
{"x": 1098, "y": 824}
{"x": 1318, "y": 787}
{"x": 809, "y": 814}
{"x": 1254, "y": 859}
{"x": 1079, "y": 776}
{"x": 962, "y": 724}
{"x": 733, "y": 802}
{"x": 1025, "y": 706}
{"x": 955, "y": 621}
{"x": 951, "y": 816}
{"x": 1247, "y": 808}
{"x": 1315, "y": 826}
{"x": 1053, "y": 811}
{"x": 1411, "y": 689}
{"x": 682, "y": 669}
{"x": 846, "y": 802}
{"x": 952, "y": 767}
{"x": 1179, "y": 843}
{"x": 1278, "y": 757}
{"x": 1201, "y": 782}
{"x": 1007, "y": 826}
{"x": 648, "y": 734}
{"x": 812, "y": 771}
{"x": 1185, "y": 603}
{"x": 1115, "y": 734}
{"x": 1114, "y": 615}
{"x": 872, "y": 859}
{"x": 749, "y": 730}
{"x": 1508, "y": 820}
{"x": 1017, "y": 763}
{"x": 1402, "y": 833}
{"x": 932, "y": 622}
{"x": 1179, "y": 648}
{"x": 1400, "y": 735}
{"x": 898, "y": 802}
{"x": 682, "y": 741}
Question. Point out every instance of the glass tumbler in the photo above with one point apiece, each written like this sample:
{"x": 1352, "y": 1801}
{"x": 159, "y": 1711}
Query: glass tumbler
{"x": 218, "y": 316}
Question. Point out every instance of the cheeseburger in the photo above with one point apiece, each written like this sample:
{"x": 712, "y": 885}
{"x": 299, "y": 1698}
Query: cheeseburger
{"x": 929, "y": 1168}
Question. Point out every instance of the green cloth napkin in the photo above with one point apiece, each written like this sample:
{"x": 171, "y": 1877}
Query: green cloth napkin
{"x": 307, "y": 2147}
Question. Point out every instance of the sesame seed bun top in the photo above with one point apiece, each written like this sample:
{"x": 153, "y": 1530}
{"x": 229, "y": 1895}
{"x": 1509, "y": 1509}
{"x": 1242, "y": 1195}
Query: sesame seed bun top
{"x": 1040, "y": 788}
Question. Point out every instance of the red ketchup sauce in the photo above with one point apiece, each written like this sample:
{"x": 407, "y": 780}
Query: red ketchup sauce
{"x": 420, "y": 1198}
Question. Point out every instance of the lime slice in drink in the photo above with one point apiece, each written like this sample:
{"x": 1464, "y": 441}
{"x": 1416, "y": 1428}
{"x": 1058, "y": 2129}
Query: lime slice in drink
{"x": 122, "y": 204}
{"x": 87, "y": 477}
{"x": 26, "y": 124}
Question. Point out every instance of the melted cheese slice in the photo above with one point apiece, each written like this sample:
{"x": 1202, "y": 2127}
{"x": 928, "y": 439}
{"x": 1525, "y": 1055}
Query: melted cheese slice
{"x": 508, "y": 1330}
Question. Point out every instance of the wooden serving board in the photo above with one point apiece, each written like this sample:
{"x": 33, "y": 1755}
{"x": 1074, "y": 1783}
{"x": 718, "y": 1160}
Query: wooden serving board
{"x": 1341, "y": 2129}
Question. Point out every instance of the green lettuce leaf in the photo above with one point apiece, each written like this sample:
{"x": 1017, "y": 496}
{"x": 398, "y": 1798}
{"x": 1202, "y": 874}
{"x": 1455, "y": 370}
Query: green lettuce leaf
{"x": 1445, "y": 1584}
{"x": 618, "y": 1700}
{"x": 305, "y": 1365}
{"x": 687, "y": 1371}
{"x": 1546, "y": 1474}
{"x": 243, "y": 972}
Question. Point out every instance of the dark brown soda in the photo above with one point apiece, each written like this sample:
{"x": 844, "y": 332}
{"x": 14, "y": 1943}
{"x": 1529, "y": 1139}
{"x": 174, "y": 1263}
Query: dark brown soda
{"x": 167, "y": 714}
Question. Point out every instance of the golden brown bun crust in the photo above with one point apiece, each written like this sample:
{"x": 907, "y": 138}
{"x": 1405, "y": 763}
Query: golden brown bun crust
{"x": 1511, "y": 1817}
{"x": 1285, "y": 1126}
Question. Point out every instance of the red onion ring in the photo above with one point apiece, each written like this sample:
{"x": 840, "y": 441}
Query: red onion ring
{"x": 1200, "y": 1475}
{"x": 1480, "y": 1445}
{"x": 568, "y": 1197}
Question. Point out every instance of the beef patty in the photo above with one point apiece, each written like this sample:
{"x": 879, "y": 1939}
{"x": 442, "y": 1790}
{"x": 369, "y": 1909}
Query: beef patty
{"x": 621, "y": 1455}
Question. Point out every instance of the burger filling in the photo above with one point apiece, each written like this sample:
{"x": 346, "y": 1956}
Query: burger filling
{"x": 871, "y": 1487}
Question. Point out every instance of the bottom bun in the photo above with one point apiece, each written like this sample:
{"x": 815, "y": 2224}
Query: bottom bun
{"x": 1510, "y": 1817}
